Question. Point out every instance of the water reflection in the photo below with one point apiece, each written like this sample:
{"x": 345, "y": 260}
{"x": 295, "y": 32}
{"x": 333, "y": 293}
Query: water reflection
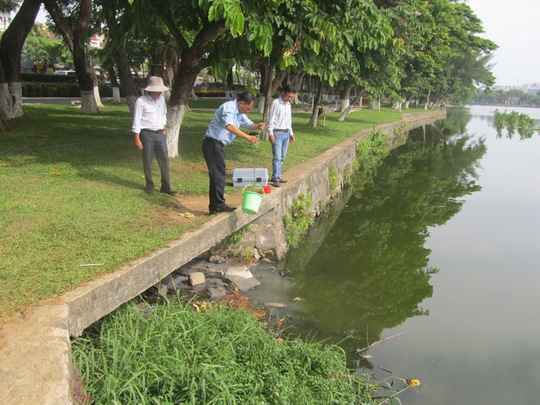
{"x": 371, "y": 272}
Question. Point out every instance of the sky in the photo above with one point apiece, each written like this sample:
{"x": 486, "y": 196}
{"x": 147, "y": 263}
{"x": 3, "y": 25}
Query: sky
{"x": 514, "y": 26}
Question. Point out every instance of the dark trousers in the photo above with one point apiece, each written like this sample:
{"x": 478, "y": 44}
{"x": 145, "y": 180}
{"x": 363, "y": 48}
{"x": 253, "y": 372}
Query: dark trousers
{"x": 155, "y": 142}
{"x": 214, "y": 154}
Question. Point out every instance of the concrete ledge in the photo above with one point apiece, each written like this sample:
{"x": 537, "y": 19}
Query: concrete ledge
{"x": 39, "y": 371}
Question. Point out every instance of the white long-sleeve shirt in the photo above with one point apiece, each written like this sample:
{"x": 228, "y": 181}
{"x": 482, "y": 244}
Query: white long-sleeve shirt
{"x": 149, "y": 114}
{"x": 280, "y": 116}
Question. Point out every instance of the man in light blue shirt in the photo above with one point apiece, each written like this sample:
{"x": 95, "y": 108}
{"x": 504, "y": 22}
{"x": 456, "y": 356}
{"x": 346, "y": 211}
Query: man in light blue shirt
{"x": 280, "y": 131}
{"x": 223, "y": 128}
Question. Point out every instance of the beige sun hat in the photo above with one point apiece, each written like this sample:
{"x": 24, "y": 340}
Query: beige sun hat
{"x": 155, "y": 83}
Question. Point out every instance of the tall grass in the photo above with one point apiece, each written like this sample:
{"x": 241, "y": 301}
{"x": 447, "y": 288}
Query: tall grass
{"x": 72, "y": 191}
{"x": 171, "y": 354}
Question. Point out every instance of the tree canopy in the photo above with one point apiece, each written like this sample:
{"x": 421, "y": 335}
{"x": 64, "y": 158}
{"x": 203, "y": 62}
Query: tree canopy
{"x": 406, "y": 50}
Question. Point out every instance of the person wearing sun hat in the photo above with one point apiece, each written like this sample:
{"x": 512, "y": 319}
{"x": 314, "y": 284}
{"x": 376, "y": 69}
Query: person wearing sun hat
{"x": 149, "y": 125}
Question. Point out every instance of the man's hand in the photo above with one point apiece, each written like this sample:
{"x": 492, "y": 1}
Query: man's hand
{"x": 272, "y": 138}
{"x": 293, "y": 139}
{"x": 253, "y": 139}
{"x": 261, "y": 125}
{"x": 138, "y": 142}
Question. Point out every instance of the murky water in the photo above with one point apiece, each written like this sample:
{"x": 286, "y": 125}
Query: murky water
{"x": 438, "y": 260}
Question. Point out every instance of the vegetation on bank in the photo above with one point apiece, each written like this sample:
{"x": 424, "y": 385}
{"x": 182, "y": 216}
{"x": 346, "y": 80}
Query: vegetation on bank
{"x": 514, "y": 122}
{"x": 171, "y": 354}
{"x": 72, "y": 200}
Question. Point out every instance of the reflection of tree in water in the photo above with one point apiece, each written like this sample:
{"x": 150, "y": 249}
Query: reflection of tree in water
{"x": 372, "y": 272}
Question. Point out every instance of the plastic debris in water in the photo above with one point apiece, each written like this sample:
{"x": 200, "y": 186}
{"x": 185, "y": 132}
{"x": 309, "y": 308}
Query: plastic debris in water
{"x": 413, "y": 382}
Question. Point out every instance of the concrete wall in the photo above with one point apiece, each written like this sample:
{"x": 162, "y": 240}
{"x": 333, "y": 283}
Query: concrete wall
{"x": 267, "y": 233}
{"x": 96, "y": 299}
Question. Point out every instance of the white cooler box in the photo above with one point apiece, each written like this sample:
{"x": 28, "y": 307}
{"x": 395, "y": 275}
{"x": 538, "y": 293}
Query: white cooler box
{"x": 242, "y": 177}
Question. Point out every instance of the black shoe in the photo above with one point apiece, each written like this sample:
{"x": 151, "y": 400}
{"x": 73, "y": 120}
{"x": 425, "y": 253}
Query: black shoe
{"x": 149, "y": 190}
{"x": 276, "y": 183}
{"x": 170, "y": 192}
{"x": 223, "y": 208}
{"x": 282, "y": 181}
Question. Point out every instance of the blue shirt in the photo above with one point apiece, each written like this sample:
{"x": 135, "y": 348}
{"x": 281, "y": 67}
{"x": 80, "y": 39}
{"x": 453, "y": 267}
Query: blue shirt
{"x": 226, "y": 114}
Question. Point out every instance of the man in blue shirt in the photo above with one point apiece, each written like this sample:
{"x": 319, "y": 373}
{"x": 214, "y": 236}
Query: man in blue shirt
{"x": 223, "y": 128}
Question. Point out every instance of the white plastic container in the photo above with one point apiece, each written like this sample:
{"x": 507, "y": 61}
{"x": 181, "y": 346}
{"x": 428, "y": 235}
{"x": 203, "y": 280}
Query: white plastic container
{"x": 242, "y": 177}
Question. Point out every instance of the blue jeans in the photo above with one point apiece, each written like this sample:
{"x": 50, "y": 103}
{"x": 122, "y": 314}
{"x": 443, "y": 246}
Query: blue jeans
{"x": 279, "y": 150}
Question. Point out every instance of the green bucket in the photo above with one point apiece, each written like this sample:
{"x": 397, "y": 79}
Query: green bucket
{"x": 251, "y": 201}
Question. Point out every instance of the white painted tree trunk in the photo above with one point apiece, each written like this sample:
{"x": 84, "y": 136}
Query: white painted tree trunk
{"x": 344, "y": 113}
{"x": 175, "y": 117}
{"x": 406, "y": 104}
{"x": 260, "y": 104}
{"x": 97, "y": 96}
{"x": 344, "y": 103}
{"x": 193, "y": 96}
{"x": 427, "y": 100}
{"x": 296, "y": 99}
{"x": 375, "y": 104}
{"x": 5, "y": 100}
{"x": 11, "y": 99}
{"x": 116, "y": 94}
{"x": 88, "y": 103}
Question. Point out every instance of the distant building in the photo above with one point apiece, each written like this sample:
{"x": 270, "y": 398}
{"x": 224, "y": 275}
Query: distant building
{"x": 97, "y": 41}
{"x": 5, "y": 20}
{"x": 505, "y": 88}
{"x": 531, "y": 88}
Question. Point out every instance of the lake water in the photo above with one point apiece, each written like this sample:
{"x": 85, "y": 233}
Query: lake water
{"x": 438, "y": 260}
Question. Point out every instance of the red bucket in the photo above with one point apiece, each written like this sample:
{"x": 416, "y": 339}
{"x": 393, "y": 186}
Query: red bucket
{"x": 267, "y": 189}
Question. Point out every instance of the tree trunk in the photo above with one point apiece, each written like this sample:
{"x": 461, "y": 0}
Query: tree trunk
{"x": 116, "y": 94}
{"x": 121, "y": 57}
{"x": 348, "y": 109}
{"x": 272, "y": 85}
{"x": 11, "y": 46}
{"x": 427, "y": 100}
{"x": 264, "y": 68}
{"x": 88, "y": 102}
{"x": 316, "y": 105}
{"x": 75, "y": 39}
{"x": 344, "y": 113}
{"x": 266, "y": 84}
{"x": 193, "y": 57}
{"x": 178, "y": 103}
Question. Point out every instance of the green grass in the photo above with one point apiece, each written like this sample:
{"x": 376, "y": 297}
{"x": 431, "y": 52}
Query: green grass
{"x": 72, "y": 191}
{"x": 170, "y": 354}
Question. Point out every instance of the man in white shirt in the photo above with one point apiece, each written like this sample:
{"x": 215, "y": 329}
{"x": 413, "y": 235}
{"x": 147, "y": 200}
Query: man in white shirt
{"x": 280, "y": 131}
{"x": 149, "y": 124}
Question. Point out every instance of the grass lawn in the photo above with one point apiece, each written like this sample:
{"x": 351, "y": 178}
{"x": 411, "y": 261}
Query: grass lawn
{"x": 72, "y": 191}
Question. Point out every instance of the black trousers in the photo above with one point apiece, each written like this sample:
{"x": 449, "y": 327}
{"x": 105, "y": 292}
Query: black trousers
{"x": 155, "y": 142}
{"x": 214, "y": 154}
